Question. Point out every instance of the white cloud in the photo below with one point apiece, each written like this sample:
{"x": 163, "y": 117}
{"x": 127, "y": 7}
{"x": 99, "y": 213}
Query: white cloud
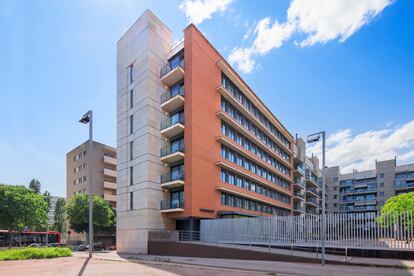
{"x": 268, "y": 36}
{"x": 319, "y": 20}
{"x": 360, "y": 151}
{"x": 324, "y": 20}
{"x": 197, "y": 11}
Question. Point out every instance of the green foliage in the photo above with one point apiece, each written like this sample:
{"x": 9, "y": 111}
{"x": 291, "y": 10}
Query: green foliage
{"x": 20, "y": 207}
{"x": 395, "y": 209}
{"x": 77, "y": 213}
{"x": 35, "y": 185}
{"x": 34, "y": 253}
{"x": 59, "y": 216}
{"x": 400, "y": 203}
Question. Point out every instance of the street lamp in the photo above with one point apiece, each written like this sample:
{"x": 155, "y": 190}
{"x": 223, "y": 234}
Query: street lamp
{"x": 87, "y": 118}
{"x": 311, "y": 139}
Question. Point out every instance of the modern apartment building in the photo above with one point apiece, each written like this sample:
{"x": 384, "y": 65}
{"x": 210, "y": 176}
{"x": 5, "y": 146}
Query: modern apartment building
{"x": 306, "y": 181}
{"x": 104, "y": 171}
{"x": 194, "y": 141}
{"x": 51, "y": 213}
{"x": 367, "y": 191}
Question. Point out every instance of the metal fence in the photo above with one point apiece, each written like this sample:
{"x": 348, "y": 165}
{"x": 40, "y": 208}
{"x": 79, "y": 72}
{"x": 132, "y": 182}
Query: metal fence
{"x": 355, "y": 230}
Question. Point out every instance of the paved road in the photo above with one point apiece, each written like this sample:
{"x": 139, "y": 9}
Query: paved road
{"x": 81, "y": 266}
{"x": 279, "y": 268}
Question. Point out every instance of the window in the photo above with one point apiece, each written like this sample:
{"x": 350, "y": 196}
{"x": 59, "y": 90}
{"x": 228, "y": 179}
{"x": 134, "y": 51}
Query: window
{"x": 382, "y": 184}
{"x": 131, "y": 200}
{"x": 131, "y": 176}
{"x": 335, "y": 179}
{"x": 335, "y": 188}
{"x": 131, "y": 150}
{"x": 381, "y": 194}
{"x": 131, "y": 98}
{"x": 131, "y": 73}
{"x": 381, "y": 175}
{"x": 131, "y": 124}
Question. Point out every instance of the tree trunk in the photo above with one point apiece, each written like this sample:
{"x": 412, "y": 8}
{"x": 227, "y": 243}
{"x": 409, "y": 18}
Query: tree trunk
{"x": 10, "y": 238}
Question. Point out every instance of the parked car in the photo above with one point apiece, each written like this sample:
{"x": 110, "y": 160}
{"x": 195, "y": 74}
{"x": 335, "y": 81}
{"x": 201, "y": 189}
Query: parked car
{"x": 34, "y": 245}
{"x": 55, "y": 245}
{"x": 97, "y": 246}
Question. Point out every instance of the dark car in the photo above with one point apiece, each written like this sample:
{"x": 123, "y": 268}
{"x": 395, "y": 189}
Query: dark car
{"x": 97, "y": 246}
{"x": 55, "y": 245}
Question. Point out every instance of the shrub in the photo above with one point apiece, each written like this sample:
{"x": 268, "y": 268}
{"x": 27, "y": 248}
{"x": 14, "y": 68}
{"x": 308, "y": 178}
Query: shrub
{"x": 34, "y": 253}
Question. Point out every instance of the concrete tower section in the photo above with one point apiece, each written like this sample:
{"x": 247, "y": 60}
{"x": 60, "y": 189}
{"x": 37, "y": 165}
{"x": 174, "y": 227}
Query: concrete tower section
{"x": 141, "y": 52}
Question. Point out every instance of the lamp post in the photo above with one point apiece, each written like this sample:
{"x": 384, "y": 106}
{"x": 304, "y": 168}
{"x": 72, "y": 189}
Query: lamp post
{"x": 87, "y": 118}
{"x": 311, "y": 139}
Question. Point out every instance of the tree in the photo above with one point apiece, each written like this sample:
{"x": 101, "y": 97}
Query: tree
{"x": 35, "y": 185}
{"x": 20, "y": 207}
{"x": 398, "y": 210}
{"x": 77, "y": 213}
{"x": 59, "y": 216}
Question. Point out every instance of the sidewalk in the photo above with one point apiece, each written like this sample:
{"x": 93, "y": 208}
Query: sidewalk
{"x": 253, "y": 266}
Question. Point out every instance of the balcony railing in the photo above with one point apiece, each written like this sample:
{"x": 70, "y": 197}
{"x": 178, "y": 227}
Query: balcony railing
{"x": 174, "y": 91}
{"x": 298, "y": 208}
{"x": 167, "y": 122}
{"x": 301, "y": 169}
{"x": 352, "y": 191}
{"x": 171, "y": 66}
{"x": 167, "y": 204}
{"x": 311, "y": 200}
{"x": 167, "y": 150}
{"x": 313, "y": 190}
{"x": 168, "y": 177}
{"x": 299, "y": 194}
{"x": 403, "y": 185}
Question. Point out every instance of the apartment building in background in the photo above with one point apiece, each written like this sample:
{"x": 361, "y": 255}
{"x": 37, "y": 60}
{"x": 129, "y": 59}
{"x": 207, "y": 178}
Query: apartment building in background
{"x": 307, "y": 190}
{"x": 104, "y": 179}
{"x": 367, "y": 191}
{"x": 104, "y": 171}
{"x": 193, "y": 140}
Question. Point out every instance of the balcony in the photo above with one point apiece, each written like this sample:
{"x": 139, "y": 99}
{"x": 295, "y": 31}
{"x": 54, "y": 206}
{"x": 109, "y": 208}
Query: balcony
{"x": 109, "y": 185}
{"x": 171, "y": 154}
{"x": 109, "y": 160}
{"x": 358, "y": 191}
{"x": 299, "y": 183}
{"x": 110, "y": 197}
{"x": 173, "y": 99}
{"x": 299, "y": 171}
{"x": 172, "y": 180}
{"x": 403, "y": 185}
{"x": 172, "y": 73}
{"x": 298, "y": 208}
{"x": 171, "y": 206}
{"x": 312, "y": 181}
{"x": 109, "y": 172}
{"x": 312, "y": 202}
{"x": 312, "y": 191}
{"x": 171, "y": 128}
{"x": 299, "y": 195}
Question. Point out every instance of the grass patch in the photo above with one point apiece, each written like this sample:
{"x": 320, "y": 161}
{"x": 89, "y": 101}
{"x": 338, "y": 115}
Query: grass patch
{"x": 34, "y": 253}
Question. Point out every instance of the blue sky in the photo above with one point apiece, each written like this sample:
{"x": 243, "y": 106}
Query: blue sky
{"x": 58, "y": 59}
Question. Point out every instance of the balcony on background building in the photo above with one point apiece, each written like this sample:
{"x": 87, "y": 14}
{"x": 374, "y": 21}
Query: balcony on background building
{"x": 170, "y": 206}
{"x": 109, "y": 160}
{"x": 299, "y": 170}
{"x": 172, "y": 180}
{"x": 312, "y": 201}
{"x": 109, "y": 172}
{"x": 109, "y": 185}
{"x": 298, "y": 208}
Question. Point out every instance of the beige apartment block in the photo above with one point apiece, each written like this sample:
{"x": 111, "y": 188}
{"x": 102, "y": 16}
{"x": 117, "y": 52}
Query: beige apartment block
{"x": 104, "y": 171}
{"x": 142, "y": 51}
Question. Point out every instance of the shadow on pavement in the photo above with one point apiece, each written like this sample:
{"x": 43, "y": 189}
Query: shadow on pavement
{"x": 84, "y": 266}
